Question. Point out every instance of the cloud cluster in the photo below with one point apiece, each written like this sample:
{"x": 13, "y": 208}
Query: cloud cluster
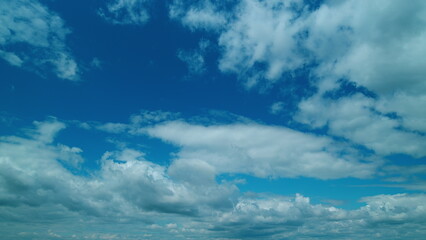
{"x": 41, "y": 177}
{"x": 366, "y": 61}
{"x": 278, "y": 218}
{"x": 263, "y": 151}
{"x": 210, "y": 147}
{"x": 354, "y": 118}
{"x": 33, "y": 37}
{"x": 36, "y": 172}
{"x": 377, "y": 47}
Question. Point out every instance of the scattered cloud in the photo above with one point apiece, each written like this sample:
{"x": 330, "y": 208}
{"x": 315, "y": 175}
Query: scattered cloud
{"x": 364, "y": 60}
{"x": 276, "y": 108}
{"x": 121, "y": 12}
{"x": 33, "y": 37}
{"x": 34, "y": 174}
{"x": 354, "y": 118}
{"x": 96, "y": 63}
{"x": 200, "y": 15}
{"x": 128, "y": 188}
{"x": 378, "y": 47}
{"x": 194, "y": 59}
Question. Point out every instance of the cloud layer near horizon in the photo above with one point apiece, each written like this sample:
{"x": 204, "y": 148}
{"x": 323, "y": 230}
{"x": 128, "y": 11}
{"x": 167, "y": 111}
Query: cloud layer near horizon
{"x": 37, "y": 175}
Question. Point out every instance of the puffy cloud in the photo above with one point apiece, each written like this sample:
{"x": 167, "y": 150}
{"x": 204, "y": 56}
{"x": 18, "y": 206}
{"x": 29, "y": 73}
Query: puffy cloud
{"x": 259, "y": 38}
{"x": 263, "y": 151}
{"x": 382, "y": 50}
{"x": 272, "y": 217}
{"x": 246, "y": 47}
{"x": 226, "y": 143}
{"x": 33, "y": 37}
{"x": 182, "y": 199}
{"x": 354, "y": 118}
{"x": 390, "y": 209}
{"x": 376, "y": 46}
{"x": 126, "y": 12}
{"x": 37, "y": 172}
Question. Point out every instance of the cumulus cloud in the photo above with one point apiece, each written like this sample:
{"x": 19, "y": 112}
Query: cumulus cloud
{"x": 36, "y": 172}
{"x": 375, "y": 46}
{"x": 33, "y": 37}
{"x": 263, "y": 151}
{"x": 285, "y": 35}
{"x": 184, "y": 197}
{"x": 244, "y": 146}
{"x": 242, "y": 36}
{"x": 126, "y": 12}
{"x": 273, "y": 217}
{"x": 246, "y": 47}
{"x": 381, "y": 50}
{"x": 354, "y": 118}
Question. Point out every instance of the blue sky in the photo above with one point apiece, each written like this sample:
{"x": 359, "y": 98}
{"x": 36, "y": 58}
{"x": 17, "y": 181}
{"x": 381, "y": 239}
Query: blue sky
{"x": 246, "y": 119}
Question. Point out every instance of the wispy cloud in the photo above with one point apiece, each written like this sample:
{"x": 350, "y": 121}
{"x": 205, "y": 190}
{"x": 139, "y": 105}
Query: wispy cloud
{"x": 41, "y": 35}
{"x": 132, "y": 12}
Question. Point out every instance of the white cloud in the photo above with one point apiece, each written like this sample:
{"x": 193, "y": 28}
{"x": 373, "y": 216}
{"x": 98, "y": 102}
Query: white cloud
{"x": 409, "y": 107}
{"x": 395, "y": 208}
{"x": 202, "y": 15}
{"x": 378, "y": 46}
{"x": 126, "y": 12}
{"x": 278, "y": 217}
{"x": 246, "y": 47}
{"x": 354, "y": 118}
{"x": 34, "y": 172}
{"x": 151, "y": 198}
{"x": 263, "y": 151}
{"x": 42, "y": 33}
{"x": 382, "y": 50}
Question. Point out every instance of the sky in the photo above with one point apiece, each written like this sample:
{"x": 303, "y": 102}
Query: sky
{"x": 234, "y": 119}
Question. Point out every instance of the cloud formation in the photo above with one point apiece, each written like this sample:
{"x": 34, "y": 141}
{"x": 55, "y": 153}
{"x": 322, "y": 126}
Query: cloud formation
{"x": 41, "y": 177}
{"x": 121, "y": 12}
{"x": 263, "y": 151}
{"x": 33, "y": 37}
{"x": 376, "y": 47}
{"x": 365, "y": 62}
